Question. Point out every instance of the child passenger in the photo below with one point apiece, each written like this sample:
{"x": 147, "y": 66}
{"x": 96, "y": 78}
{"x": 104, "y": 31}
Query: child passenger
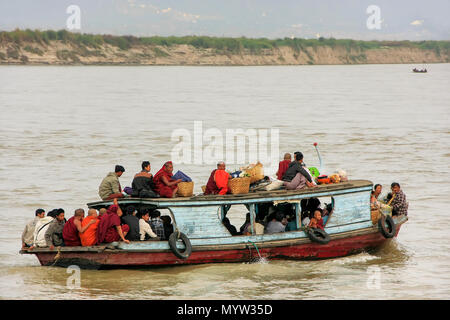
{"x": 317, "y": 221}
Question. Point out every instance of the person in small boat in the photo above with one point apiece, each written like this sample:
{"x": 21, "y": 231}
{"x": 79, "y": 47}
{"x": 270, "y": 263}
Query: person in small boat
{"x": 145, "y": 231}
{"x": 73, "y": 228}
{"x": 275, "y": 224}
{"x": 142, "y": 184}
{"x": 109, "y": 228}
{"x": 132, "y": 221}
{"x": 89, "y": 236}
{"x": 283, "y": 166}
{"x": 157, "y": 224}
{"x": 218, "y": 180}
{"x": 54, "y": 234}
{"x": 168, "y": 227}
{"x": 232, "y": 229}
{"x": 165, "y": 186}
{"x": 317, "y": 221}
{"x": 399, "y": 204}
{"x": 110, "y": 186}
{"x": 28, "y": 232}
{"x": 297, "y": 176}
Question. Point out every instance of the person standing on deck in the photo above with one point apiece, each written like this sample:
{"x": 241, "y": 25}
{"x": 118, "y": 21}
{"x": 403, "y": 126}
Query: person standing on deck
{"x": 218, "y": 180}
{"x": 28, "y": 232}
{"x": 110, "y": 186}
{"x": 399, "y": 204}
{"x": 296, "y": 176}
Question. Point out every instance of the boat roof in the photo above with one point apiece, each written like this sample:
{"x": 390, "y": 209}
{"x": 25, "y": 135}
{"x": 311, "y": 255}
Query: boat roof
{"x": 251, "y": 197}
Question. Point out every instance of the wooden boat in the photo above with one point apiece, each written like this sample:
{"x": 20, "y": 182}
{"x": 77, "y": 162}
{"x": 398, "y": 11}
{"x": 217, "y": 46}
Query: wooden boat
{"x": 350, "y": 229}
{"x": 419, "y": 71}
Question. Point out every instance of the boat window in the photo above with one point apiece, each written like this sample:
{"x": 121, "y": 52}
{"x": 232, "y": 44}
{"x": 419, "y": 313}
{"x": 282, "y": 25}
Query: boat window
{"x": 309, "y": 205}
{"x": 236, "y": 214}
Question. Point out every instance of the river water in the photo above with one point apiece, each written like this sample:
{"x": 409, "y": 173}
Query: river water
{"x": 62, "y": 129}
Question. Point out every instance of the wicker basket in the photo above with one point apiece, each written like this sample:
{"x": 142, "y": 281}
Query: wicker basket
{"x": 186, "y": 189}
{"x": 256, "y": 172}
{"x": 239, "y": 185}
{"x": 375, "y": 215}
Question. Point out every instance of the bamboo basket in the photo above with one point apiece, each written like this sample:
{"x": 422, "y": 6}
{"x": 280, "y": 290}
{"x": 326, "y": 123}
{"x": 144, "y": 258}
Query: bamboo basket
{"x": 186, "y": 189}
{"x": 256, "y": 172}
{"x": 375, "y": 215}
{"x": 239, "y": 185}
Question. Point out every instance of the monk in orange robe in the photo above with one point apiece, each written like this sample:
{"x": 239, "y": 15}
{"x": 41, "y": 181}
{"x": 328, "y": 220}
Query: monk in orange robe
{"x": 218, "y": 180}
{"x": 89, "y": 236}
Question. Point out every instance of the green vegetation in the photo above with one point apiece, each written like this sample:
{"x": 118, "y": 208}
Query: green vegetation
{"x": 230, "y": 45}
{"x": 34, "y": 50}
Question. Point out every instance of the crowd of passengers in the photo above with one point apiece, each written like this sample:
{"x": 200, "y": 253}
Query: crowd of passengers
{"x": 99, "y": 227}
{"x": 281, "y": 218}
{"x": 111, "y": 224}
{"x": 294, "y": 174}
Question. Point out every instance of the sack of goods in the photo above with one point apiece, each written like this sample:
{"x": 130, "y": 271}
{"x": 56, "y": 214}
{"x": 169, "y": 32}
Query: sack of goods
{"x": 239, "y": 185}
{"x": 342, "y": 174}
{"x": 255, "y": 171}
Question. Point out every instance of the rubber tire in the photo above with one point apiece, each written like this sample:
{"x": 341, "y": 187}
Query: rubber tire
{"x": 173, "y": 245}
{"x": 318, "y": 235}
{"x": 384, "y": 230}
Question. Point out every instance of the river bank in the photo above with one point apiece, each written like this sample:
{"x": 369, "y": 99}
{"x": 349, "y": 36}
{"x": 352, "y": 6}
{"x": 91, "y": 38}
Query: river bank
{"x": 65, "y": 48}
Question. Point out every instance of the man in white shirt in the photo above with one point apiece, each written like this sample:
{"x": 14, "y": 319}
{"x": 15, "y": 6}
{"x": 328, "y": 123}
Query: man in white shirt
{"x": 144, "y": 227}
{"x": 28, "y": 232}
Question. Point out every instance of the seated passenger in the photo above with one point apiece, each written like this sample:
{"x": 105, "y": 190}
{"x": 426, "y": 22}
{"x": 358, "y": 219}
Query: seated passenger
{"x": 157, "y": 224}
{"x": 291, "y": 224}
{"x": 28, "y": 232}
{"x": 132, "y": 222}
{"x": 110, "y": 186}
{"x": 168, "y": 227}
{"x": 73, "y": 228}
{"x": 165, "y": 186}
{"x": 283, "y": 166}
{"x": 89, "y": 236}
{"x": 54, "y": 233}
{"x": 109, "y": 228}
{"x": 297, "y": 176}
{"x": 218, "y": 180}
{"x": 317, "y": 221}
{"x": 145, "y": 231}
{"x": 42, "y": 227}
{"x": 142, "y": 184}
{"x": 230, "y": 227}
{"x": 399, "y": 204}
{"x": 275, "y": 225}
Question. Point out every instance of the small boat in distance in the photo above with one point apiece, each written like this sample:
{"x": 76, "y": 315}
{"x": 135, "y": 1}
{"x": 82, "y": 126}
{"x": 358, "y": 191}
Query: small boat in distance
{"x": 200, "y": 236}
{"x": 419, "y": 71}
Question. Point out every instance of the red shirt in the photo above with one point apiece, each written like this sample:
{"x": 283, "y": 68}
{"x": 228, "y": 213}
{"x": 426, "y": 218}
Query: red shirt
{"x": 282, "y": 167}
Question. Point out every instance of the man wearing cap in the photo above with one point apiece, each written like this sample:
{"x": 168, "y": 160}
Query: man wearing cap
{"x": 28, "y": 232}
{"x": 110, "y": 187}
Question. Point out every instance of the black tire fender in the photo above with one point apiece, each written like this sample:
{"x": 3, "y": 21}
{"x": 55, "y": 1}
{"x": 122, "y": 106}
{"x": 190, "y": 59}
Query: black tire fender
{"x": 389, "y": 230}
{"x": 318, "y": 235}
{"x": 173, "y": 245}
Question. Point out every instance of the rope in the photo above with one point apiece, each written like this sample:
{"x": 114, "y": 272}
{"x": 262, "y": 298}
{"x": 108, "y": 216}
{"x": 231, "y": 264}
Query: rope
{"x": 57, "y": 256}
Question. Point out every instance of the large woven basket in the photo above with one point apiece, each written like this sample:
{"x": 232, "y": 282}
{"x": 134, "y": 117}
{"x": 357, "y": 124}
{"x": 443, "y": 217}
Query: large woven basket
{"x": 239, "y": 185}
{"x": 256, "y": 172}
{"x": 375, "y": 215}
{"x": 186, "y": 189}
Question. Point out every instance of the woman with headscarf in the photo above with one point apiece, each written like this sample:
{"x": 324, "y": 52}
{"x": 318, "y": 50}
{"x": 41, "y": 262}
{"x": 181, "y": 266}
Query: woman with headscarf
{"x": 165, "y": 186}
{"x": 109, "y": 228}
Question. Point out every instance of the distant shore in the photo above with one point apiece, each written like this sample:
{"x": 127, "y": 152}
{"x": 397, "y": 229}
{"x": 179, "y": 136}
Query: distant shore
{"x": 28, "y": 47}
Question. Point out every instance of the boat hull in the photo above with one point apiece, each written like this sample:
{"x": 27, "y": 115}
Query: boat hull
{"x": 303, "y": 251}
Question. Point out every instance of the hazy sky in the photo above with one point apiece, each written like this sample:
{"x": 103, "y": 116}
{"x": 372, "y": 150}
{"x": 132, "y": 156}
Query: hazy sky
{"x": 399, "y": 19}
